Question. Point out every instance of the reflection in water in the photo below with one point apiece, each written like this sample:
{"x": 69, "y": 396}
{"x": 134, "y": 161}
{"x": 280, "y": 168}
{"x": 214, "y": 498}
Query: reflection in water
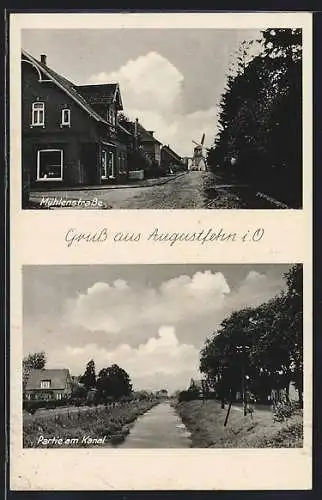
{"x": 160, "y": 427}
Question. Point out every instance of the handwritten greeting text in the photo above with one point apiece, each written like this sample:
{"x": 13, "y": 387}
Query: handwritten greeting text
{"x": 74, "y": 237}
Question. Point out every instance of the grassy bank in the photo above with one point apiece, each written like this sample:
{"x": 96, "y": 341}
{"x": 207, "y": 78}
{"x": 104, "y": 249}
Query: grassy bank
{"x": 205, "y": 421}
{"x": 93, "y": 426}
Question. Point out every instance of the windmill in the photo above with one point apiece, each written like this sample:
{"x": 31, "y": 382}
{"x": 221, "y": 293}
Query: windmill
{"x": 199, "y": 161}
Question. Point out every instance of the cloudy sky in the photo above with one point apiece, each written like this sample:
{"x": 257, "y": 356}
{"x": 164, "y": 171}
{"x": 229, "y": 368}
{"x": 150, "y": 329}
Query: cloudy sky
{"x": 152, "y": 320}
{"x": 170, "y": 79}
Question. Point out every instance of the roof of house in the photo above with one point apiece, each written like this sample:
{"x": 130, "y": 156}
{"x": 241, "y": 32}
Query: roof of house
{"x": 144, "y": 134}
{"x": 171, "y": 152}
{"x": 82, "y": 98}
{"x": 58, "y": 378}
{"x": 197, "y": 383}
{"x": 67, "y": 86}
{"x": 105, "y": 93}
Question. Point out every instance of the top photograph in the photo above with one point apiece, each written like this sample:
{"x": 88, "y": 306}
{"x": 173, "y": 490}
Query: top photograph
{"x": 129, "y": 118}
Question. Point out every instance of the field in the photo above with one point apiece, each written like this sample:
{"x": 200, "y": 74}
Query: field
{"x": 205, "y": 421}
{"x": 74, "y": 427}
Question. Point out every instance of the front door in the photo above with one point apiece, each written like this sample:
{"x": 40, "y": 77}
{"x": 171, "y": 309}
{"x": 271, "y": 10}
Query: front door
{"x": 89, "y": 163}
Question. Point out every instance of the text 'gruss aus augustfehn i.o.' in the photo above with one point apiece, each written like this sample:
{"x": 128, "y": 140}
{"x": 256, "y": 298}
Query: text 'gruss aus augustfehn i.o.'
{"x": 73, "y": 237}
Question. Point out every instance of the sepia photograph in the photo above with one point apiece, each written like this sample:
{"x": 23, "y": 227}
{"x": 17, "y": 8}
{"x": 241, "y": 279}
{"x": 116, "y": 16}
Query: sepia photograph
{"x": 163, "y": 356}
{"x": 130, "y": 118}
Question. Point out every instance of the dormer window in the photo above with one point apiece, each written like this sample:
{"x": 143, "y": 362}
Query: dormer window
{"x": 38, "y": 114}
{"x": 45, "y": 384}
{"x": 65, "y": 117}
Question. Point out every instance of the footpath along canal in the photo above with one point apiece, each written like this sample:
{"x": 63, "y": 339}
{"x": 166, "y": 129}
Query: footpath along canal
{"x": 160, "y": 427}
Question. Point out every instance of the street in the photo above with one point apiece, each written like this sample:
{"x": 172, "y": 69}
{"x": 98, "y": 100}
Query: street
{"x": 188, "y": 190}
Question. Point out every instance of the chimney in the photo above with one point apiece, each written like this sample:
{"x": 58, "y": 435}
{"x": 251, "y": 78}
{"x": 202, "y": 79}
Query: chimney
{"x": 43, "y": 59}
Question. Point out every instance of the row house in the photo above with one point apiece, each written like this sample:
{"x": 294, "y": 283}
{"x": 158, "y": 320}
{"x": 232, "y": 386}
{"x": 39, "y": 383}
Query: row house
{"x": 150, "y": 144}
{"x": 144, "y": 141}
{"x": 70, "y": 133}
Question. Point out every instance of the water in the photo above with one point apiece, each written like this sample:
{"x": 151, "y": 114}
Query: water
{"x": 160, "y": 427}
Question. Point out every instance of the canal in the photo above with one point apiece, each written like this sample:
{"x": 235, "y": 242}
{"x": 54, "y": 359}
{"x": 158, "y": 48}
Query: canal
{"x": 159, "y": 427}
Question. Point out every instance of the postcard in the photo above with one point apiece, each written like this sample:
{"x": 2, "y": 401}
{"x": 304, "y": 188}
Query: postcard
{"x": 161, "y": 251}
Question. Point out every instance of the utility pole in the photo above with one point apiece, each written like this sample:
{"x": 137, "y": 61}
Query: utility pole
{"x": 136, "y": 126}
{"x": 244, "y": 386}
{"x": 242, "y": 350}
{"x": 229, "y": 407}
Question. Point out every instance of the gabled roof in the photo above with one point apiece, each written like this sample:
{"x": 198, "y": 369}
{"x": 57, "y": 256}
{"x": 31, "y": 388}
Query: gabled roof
{"x": 197, "y": 383}
{"x": 105, "y": 93}
{"x": 143, "y": 134}
{"x": 146, "y": 136}
{"x": 71, "y": 89}
{"x": 58, "y": 378}
{"x": 68, "y": 87}
{"x": 171, "y": 152}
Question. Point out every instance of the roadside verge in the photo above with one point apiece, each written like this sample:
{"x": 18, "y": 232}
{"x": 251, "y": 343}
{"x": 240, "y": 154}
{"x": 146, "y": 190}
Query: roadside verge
{"x": 205, "y": 421}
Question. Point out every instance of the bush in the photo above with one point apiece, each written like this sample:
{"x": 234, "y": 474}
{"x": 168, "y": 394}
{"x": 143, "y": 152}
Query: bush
{"x": 188, "y": 395}
{"x": 284, "y": 410}
{"x": 32, "y": 406}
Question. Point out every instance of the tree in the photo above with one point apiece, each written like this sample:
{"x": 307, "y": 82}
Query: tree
{"x": 194, "y": 391}
{"x": 259, "y": 348}
{"x": 79, "y": 391}
{"x": 294, "y": 312}
{"x": 89, "y": 377}
{"x": 113, "y": 383}
{"x": 33, "y": 361}
{"x": 260, "y": 122}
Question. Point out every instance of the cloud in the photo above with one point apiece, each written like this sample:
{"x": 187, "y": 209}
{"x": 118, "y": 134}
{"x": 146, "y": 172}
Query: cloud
{"x": 116, "y": 307}
{"x": 148, "y": 82}
{"x": 155, "y": 332}
{"x": 162, "y": 354}
{"x": 152, "y": 90}
{"x": 255, "y": 289}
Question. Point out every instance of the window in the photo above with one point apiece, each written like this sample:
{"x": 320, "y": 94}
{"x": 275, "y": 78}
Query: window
{"x": 58, "y": 395}
{"x": 111, "y": 116}
{"x": 104, "y": 165}
{"x": 38, "y": 114}
{"x": 45, "y": 384}
{"x": 107, "y": 164}
{"x": 50, "y": 165}
{"x": 65, "y": 117}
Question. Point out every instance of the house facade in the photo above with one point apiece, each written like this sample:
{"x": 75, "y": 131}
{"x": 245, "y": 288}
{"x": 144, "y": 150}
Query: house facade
{"x": 70, "y": 133}
{"x": 48, "y": 385}
{"x": 150, "y": 144}
{"x": 162, "y": 393}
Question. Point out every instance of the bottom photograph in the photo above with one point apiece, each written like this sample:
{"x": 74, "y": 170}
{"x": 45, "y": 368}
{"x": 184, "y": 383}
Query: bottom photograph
{"x": 163, "y": 356}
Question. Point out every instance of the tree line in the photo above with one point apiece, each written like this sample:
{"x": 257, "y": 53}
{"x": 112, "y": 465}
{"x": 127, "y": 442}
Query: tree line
{"x": 259, "y": 349}
{"x": 111, "y": 384}
{"x": 260, "y": 119}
